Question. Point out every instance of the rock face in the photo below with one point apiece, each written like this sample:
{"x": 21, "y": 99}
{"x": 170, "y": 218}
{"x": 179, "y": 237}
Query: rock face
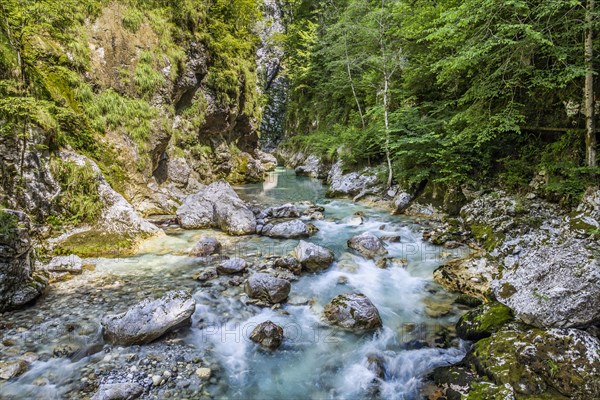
{"x": 268, "y": 335}
{"x": 313, "y": 257}
{"x": 294, "y": 229}
{"x": 18, "y": 284}
{"x": 353, "y": 312}
{"x": 368, "y": 245}
{"x": 268, "y": 160}
{"x": 553, "y": 285}
{"x": 232, "y": 266}
{"x": 118, "y": 391}
{"x": 206, "y": 247}
{"x": 351, "y": 184}
{"x": 149, "y": 320}
{"x": 218, "y": 206}
{"x": 534, "y": 361}
{"x": 267, "y": 288}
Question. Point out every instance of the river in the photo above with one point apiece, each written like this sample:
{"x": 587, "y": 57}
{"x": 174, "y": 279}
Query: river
{"x": 61, "y": 335}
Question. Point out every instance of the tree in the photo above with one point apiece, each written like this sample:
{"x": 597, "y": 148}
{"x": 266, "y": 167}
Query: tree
{"x": 590, "y": 115}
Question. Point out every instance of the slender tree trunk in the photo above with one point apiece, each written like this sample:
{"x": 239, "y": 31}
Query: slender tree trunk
{"x": 362, "y": 117}
{"x": 386, "y": 94}
{"x": 590, "y": 115}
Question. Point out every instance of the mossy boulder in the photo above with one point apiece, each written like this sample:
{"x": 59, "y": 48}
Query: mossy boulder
{"x": 536, "y": 361}
{"x": 95, "y": 243}
{"x": 489, "y": 391}
{"x": 483, "y": 321}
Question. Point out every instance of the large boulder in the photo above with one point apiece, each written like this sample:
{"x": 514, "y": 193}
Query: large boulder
{"x": 118, "y": 391}
{"x": 206, "y": 246}
{"x": 267, "y": 288}
{"x": 353, "y": 311}
{"x": 268, "y": 160}
{"x": 267, "y": 334}
{"x": 312, "y": 167}
{"x": 313, "y": 257}
{"x": 351, "y": 184}
{"x": 150, "y": 319}
{"x": 217, "y": 206}
{"x": 293, "y": 229}
{"x": 19, "y": 285}
{"x": 534, "y": 361}
{"x": 471, "y": 276}
{"x": 283, "y": 211}
{"x": 368, "y": 245}
{"x": 556, "y": 284}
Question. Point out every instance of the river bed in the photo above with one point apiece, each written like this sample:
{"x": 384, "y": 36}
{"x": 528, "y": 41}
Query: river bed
{"x": 61, "y": 339}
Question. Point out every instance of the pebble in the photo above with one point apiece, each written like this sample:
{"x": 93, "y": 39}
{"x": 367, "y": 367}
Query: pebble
{"x": 204, "y": 373}
{"x": 156, "y": 380}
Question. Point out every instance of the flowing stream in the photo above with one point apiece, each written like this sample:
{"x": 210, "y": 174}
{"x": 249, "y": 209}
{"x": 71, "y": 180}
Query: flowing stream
{"x": 61, "y": 335}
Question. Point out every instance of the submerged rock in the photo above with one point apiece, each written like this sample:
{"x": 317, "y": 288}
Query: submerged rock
{"x": 206, "y": 274}
{"x": 368, "y": 245}
{"x": 353, "y": 311}
{"x": 267, "y": 334}
{"x": 483, "y": 321}
{"x": 232, "y": 266}
{"x": 294, "y": 229}
{"x": 313, "y": 257}
{"x": 118, "y": 391}
{"x": 267, "y": 288}
{"x": 206, "y": 247}
{"x": 218, "y": 206}
{"x": 149, "y": 320}
{"x": 12, "y": 369}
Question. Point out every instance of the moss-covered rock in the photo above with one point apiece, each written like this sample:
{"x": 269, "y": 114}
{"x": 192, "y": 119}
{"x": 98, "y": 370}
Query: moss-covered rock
{"x": 483, "y": 321}
{"x": 537, "y": 362}
{"x": 489, "y": 391}
{"x": 94, "y": 243}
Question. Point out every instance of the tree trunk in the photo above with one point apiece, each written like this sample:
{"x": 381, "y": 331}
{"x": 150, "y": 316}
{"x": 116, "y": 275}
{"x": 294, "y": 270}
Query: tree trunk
{"x": 362, "y": 117}
{"x": 387, "y": 131}
{"x": 590, "y": 117}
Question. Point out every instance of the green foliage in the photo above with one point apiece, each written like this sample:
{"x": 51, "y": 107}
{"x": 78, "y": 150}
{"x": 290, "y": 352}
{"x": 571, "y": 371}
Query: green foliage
{"x": 133, "y": 19}
{"x": 8, "y": 224}
{"x": 147, "y": 79}
{"x": 79, "y": 199}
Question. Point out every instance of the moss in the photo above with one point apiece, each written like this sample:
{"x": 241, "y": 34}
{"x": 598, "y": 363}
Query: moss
{"x": 485, "y": 235}
{"x": 484, "y": 321}
{"x": 8, "y": 224}
{"x": 94, "y": 243}
{"x": 489, "y": 391}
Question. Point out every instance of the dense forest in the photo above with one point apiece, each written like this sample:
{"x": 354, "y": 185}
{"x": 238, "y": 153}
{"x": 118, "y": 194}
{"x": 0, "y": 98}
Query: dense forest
{"x": 449, "y": 91}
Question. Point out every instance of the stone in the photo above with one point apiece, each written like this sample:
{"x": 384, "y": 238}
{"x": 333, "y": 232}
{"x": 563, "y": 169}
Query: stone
{"x": 204, "y": 373}
{"x": 294, "y": 229}
{"x": 232, "y": 266}
{"x": 217, "y": 206}
{"x": 206, "y": 247}
{"x": 118, "y": 391}
{"x": 471, "y": 276}
{"x": 536, "y": 360}
{"x": 268, "y": 335}
{"x": 351, "y": 184}
{"x": 313, "y": 257}
{"x": 312, "y": 167}
{"x": 483, "y": 321}
{"x": 283, "y": 211}
{"x": 12, "y": 369}
{"x": 149, "y": 320}
{"x": 207, "y": 274}
{"x": 401, "y": 202}
{"x": 369, "y": 245}
{"x": 72, "y": 264}
{"x": 267, "y": 288}
{"x": 288, "y": 263}
{"x": 354, "y": 312}
{"x": 556, "y": 284}
{"x": 268, "y": 160}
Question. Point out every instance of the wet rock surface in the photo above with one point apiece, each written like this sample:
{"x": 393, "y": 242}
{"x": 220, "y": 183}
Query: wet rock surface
{"x": 268, "y": 335}
{"x": 313, "y": 257}
{"x": 232, "y": 266}
{"x": 149, "y": 320}
{"x": 294, "y": 229}
{"x": 368, "y": 245}
{"x": 206, "y": 247}
{"x": 353, "y": 311}
{"x": 267, "y": 288}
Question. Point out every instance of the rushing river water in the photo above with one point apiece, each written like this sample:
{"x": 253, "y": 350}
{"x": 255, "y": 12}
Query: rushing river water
{"x": 60, "y": 335}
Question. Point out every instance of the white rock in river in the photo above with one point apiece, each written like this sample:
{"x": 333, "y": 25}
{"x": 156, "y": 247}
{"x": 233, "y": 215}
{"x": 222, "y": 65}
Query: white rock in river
{"x": 217, "y": 206}
{"x": 313, "y": 257}
{"x": 118, "y": 391}
{"x": 287, "y": 230}
{"x": 150, "y": 319}
{"x": 368, "y": 245}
